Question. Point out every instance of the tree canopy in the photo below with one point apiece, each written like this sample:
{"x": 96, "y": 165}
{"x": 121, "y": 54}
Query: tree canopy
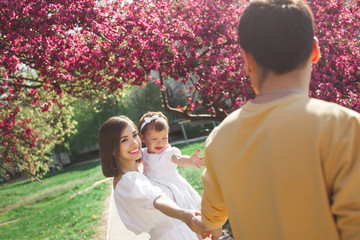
{"x": 53, "y": 50}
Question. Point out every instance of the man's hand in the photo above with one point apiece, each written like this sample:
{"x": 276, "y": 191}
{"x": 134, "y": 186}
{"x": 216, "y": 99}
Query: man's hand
{"x": 193, "y": 220}
{"x": 216, "y": 233}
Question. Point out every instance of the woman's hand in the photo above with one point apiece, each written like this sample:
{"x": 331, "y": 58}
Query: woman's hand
{"x": 193, "y": 220}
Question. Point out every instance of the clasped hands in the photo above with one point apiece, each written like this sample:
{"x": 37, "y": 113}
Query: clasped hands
{"x": 193, "y": 220}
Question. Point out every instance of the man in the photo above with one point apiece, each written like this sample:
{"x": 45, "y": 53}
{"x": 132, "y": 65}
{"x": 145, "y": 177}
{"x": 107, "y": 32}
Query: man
{"x": 284, "y": 166}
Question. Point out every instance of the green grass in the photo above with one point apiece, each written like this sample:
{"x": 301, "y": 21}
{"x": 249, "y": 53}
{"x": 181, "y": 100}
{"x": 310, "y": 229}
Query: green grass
{"x": 192, "y": 174}
{"x": 47, "y": 210}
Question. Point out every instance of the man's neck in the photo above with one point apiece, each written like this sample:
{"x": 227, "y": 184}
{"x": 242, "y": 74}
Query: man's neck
{"x": 276, "y": 86}
{"x": 298, "y": 79}
{"x": 279, "y": 85}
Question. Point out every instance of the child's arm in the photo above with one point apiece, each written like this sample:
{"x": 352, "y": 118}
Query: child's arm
{"x": 194, "y": 160}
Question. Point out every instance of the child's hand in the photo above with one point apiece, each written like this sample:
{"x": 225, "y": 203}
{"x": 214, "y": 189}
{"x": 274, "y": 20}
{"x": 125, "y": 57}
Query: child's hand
{"x": 197, "y": 161}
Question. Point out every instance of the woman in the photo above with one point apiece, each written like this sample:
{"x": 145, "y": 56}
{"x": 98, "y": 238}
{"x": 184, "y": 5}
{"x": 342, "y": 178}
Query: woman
{"x": 141, "y": 205}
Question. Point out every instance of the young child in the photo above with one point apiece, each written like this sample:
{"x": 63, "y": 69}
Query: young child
{"x": 161, "y": 160}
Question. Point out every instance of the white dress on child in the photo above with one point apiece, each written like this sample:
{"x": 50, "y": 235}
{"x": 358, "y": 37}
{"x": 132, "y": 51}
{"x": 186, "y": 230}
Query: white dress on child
{"x": 134, "y": 195}
{"x": 160, "y": 169}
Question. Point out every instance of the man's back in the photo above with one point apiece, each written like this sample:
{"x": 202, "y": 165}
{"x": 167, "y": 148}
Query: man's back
{"x": 291, "y": 166}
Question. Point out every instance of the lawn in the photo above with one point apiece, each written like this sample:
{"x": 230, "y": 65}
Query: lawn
{"x": 49, "y": 210}
{"x": 66, "y": 205}
{"x": 192, "y": 174}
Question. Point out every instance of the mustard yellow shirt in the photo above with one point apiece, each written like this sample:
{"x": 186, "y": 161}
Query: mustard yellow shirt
{"x": 286, "y": 169}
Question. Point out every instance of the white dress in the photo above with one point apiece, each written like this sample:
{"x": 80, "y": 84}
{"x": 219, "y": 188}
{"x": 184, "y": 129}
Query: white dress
{"x": 134, "y": 195}
{"x": 160, "y": 169}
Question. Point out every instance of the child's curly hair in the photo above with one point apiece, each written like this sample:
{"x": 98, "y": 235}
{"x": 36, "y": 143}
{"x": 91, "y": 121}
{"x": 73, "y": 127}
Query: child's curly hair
{"x": 153, "y": 120}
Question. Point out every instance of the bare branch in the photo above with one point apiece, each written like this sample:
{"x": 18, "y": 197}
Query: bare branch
{"x": 184, "y": 113}
{"x": 7, "y": 170}
{"x": 28, "y": 79}
{"x": 30, "y": 173}
{"x": 218, "y": 46}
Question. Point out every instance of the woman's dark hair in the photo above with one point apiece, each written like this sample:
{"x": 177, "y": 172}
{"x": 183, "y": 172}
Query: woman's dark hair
{"x": 109, "y": 140}
{"x": 279, "y": 34}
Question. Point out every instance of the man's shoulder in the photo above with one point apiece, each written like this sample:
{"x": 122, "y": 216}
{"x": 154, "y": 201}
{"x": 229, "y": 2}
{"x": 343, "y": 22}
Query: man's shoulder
{"x": 225, "y": 126}
{"x": 230, "y": 119}
{"x": 325, "y": 108}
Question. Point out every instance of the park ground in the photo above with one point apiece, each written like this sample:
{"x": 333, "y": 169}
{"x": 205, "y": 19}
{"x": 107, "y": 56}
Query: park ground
{"x": 79, "y": 197}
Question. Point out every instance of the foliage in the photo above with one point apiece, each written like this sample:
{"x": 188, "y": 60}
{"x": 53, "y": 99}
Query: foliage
{"x": 83, "y": 48}
{"x": 140, "y": 100}
{"x": 47, "y": 211}
{"x": 42, "y": 51}
{"x": 31, "y": 151}
{"x": 89, "y": 116}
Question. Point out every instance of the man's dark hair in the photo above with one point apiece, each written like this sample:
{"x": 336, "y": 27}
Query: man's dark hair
{"x": 279, "y": 34}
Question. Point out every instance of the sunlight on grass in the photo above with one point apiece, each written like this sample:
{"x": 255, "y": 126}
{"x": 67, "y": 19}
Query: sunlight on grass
{"x": 12, "y": 193}
{"x": 45, "y": 195}
{"x": 192, "y": 174}
{"x": 191, "y": 148}
{"x": 46, "y": 211}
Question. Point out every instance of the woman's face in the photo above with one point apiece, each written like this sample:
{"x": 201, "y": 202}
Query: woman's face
{"x": 130, "y": 145}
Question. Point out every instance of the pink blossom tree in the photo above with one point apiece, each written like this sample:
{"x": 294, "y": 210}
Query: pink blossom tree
{"x": 44, "y": 46}
{"x": 81, "y": 48}
{"x": 336, "y": 77}
{"x": 196, "y": 42}
{"x": 191, "y": 41}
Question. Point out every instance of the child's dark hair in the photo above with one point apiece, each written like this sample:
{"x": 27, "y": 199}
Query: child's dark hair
{"x": 279, "y": 34}
{"x": 153, "y": 120}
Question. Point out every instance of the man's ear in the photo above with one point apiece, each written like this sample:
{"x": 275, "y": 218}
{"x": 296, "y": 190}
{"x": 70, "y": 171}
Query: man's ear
{"x": 248, "y": 60}
{"x": 315, "y": 54}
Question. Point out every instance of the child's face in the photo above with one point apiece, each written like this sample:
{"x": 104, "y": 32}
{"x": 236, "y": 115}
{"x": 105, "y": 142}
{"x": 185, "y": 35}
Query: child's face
{"x": 156, "y": 141}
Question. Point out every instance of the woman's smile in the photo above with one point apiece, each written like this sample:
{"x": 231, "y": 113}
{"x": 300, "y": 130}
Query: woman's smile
{"x": 135, "y": 151}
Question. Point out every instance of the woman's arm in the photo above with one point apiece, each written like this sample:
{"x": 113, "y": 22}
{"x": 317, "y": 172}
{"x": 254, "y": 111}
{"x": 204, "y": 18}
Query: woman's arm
{"x": 190, "y": 218}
